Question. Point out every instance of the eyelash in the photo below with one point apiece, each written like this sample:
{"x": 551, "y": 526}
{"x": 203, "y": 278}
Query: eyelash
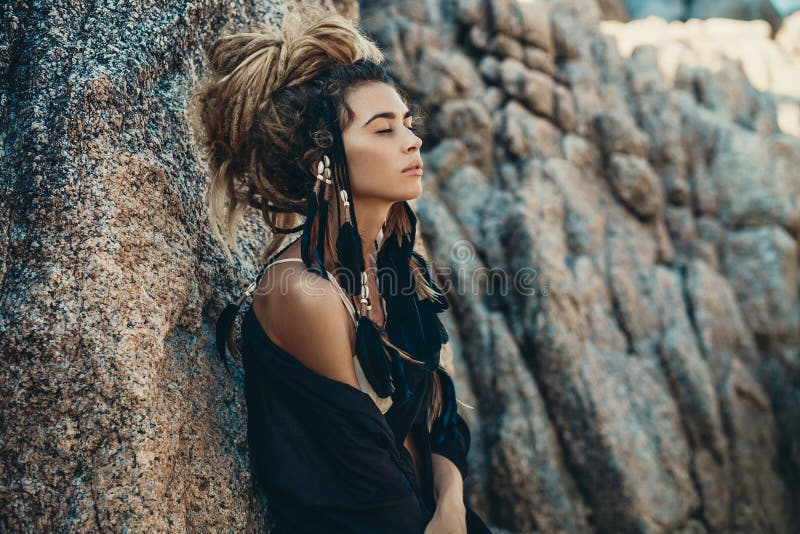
{"x": 412, "y": 128}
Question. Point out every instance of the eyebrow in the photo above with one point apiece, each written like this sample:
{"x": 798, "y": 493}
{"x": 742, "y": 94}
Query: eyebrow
{"x": 386, "y": 115}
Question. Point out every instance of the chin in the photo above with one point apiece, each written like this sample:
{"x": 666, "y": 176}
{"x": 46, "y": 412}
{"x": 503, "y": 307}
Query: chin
{"x": 417, "y": 192}
{"x": 409, "y": 192}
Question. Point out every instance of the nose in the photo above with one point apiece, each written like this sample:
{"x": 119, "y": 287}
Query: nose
{"x": 416, "y": 142}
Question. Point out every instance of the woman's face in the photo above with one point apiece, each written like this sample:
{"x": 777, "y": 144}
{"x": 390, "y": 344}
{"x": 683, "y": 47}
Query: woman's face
{"x": 379, "y": 145}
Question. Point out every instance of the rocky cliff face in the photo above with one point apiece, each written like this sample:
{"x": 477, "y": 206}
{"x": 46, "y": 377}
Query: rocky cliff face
{"x": 732, "y": 67}
{"x": 114, "y": 415}
{"x": 639, "y": 372}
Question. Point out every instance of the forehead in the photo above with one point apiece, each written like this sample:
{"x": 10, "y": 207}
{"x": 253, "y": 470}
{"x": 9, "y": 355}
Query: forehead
{"x": 375, "y": 97}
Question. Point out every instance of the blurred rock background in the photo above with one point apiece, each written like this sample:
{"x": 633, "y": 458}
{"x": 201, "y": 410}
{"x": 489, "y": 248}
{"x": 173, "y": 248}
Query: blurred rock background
{"x": 770, "y": 10}
{"x": 635, "y": 186}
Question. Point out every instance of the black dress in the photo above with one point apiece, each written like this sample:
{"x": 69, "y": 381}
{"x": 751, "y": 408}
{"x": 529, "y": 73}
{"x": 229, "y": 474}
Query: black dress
{"x": 329, "y": 460}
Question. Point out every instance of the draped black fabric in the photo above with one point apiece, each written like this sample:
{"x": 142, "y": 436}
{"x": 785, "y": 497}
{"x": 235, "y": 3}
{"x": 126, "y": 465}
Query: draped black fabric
{"x": 329, "y": 460}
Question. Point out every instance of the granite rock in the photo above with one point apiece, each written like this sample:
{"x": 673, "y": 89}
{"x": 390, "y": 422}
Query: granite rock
{"x": 614, "y": 208}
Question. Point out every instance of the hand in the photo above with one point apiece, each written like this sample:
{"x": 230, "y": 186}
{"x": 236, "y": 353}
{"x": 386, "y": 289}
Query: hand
{"x": 451, "y": 519}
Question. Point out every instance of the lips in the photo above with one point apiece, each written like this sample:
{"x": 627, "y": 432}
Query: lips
{"x": 416, "y": 165}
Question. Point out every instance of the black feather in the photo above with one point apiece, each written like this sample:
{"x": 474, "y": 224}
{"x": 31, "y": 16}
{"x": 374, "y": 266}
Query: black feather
{"x": 402, "y": 389}
{"x": 351, "y": 260}
{"x": 305, "y": 239}
{"x": 321, "y": 234}
{"x": 371, "y": 353}
{"x": 439, "y": 303}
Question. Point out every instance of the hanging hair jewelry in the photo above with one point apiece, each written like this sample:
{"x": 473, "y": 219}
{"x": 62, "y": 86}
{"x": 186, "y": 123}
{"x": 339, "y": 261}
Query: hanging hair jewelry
{"x": 348, "y": 249}
{"x": 371, "y": 351}
{"x": 323, "y": 180}
{"x": 317, "y": 207}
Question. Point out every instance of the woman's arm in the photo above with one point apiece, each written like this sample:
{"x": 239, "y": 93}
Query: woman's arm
{"x": 450, "y": 515}
{"x": 448, "y": 486}
{"x": 310, "y": 322}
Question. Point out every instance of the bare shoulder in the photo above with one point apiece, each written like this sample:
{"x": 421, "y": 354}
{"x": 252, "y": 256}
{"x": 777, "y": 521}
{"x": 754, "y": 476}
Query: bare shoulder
{"x": 303, "y": 313}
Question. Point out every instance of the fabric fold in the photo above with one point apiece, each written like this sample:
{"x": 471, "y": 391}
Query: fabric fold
{"x": 328, "y": 448}
{"x": 327, "y": 457}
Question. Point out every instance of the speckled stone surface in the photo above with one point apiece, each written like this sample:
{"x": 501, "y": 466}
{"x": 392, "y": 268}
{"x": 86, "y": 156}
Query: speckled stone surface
{"x": 114, "y": 415}
{"x": 638, "y": 373}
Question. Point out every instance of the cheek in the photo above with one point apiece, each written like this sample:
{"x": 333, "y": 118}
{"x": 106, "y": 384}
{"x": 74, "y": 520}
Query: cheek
{"x": 370, "y": 167}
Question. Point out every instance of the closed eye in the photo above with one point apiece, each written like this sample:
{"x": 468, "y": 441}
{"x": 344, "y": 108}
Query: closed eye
{"x": 412, "y": 128}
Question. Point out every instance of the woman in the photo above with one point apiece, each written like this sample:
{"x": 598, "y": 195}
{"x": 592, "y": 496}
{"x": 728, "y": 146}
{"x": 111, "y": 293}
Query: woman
{"x": 352, "y": 421}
